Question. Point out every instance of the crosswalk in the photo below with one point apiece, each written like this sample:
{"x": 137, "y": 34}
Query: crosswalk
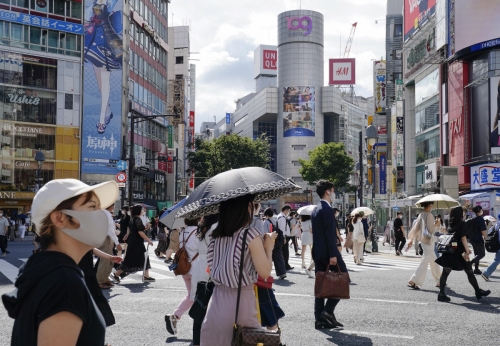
{"x": 159, "y": 270}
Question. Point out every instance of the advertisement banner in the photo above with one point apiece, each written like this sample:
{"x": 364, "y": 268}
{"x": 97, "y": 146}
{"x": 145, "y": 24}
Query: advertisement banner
{"x": 401, "y": 174}
{"x": 430, "y": 174}
{"x": 379, "y": 84}
{"x": 269, "y": 59}
{"x": 342, "y": 71}
{"x": 383, "y": 175}
{"x": 170, "y": 129}
{"x": 486, "y": 28}
{"x": 170, "y": 162}
{"x": 228, "y": 118}
{"x": 41, "y": 22}
{"x": 299, "y": 111}
{"x": 102, "y": 92}
{"x": 416, "y": 13}
{"x": 495, "y": 115}
{"x": 399, "y": 90}
{"x": 486, "y": 176}
{"x": 191, "y": 181}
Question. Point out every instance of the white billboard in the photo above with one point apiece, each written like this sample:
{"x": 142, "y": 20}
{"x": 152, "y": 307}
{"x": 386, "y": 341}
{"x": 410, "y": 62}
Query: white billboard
{"x": 379, "y": 86}
{"x": 475, "y": 21}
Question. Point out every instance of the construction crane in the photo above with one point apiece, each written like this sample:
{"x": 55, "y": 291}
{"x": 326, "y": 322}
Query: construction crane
{"x": 349, "y": 41}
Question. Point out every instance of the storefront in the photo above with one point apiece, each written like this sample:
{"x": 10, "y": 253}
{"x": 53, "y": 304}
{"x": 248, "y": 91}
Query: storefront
{"x": 150, "y": 189}
{"x": 16, "y": 202}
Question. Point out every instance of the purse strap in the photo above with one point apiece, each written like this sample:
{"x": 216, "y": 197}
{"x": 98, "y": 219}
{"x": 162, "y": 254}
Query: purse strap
{"x": 240, "y": 278}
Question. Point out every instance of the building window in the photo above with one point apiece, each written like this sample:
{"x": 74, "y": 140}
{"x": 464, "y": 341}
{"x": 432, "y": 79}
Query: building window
{"x": 68, "y": 101}
{"x": 395, "y": 55}
{"x": 398, "y": 30}
{"x": 179, "y": 60}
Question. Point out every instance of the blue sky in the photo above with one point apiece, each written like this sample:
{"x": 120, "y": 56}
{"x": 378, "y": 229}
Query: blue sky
{"x": 226, "y": 32}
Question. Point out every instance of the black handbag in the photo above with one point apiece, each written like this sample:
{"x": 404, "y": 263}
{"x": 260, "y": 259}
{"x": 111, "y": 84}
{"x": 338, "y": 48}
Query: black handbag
{"x": 446, "y": 243}
{"x": 245, "y": 336}
{"x": 204, "y": 292}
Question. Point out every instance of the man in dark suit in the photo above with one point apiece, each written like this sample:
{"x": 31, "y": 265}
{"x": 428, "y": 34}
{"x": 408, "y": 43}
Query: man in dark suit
{"x": 325, "y": 252}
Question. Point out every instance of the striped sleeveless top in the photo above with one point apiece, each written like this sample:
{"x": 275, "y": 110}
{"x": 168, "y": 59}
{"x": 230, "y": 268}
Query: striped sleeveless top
{"x": 223, "y": 258}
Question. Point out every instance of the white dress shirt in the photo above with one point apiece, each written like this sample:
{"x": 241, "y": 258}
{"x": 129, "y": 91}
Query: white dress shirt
{"x": 111, "y": 228}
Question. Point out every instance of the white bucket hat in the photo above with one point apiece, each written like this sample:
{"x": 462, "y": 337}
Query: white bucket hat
{"x": 59, "y": 190}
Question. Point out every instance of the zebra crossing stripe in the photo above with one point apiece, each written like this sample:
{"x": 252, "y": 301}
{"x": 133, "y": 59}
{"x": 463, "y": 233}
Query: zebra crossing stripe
{"x": 10, "y": 271}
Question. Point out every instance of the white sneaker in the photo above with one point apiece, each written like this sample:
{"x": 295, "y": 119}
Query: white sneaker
{"x": 309, "y": 273}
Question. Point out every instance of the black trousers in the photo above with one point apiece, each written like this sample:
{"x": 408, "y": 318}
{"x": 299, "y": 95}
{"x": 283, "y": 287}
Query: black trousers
{"x": 479, "y": 252}
{"x": 319, "y": 303}
{"x": 286, "y": 253}
{"x": 400, "y": 243}
{"x": 279, "y": 261}
{"x": 294, "y": 241}
{"x": 3, "y": 243}
{"x": 196, "y": 332}
{"x": 153, "y": 233}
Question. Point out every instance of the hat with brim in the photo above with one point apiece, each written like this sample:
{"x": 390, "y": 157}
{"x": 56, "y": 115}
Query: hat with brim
{"x": 57, "y": 191}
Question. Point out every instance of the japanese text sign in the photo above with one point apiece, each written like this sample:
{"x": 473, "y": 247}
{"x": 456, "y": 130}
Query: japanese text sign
{"x": 486, "y": 176}
{"x": 41, "y": 22}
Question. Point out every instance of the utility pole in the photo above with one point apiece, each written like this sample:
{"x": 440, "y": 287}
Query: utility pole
{"x": 360, "y": 168}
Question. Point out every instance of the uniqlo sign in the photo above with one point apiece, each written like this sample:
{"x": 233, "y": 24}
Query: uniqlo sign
{"x": 269, "y": 59}
{"x": 342, "y": 71}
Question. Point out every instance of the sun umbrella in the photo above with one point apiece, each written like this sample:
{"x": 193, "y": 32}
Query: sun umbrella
{"x": 168, "y": 216}
{"x": 440, "y": 201}
{"x": 306, "y": 210}
{"x": 365, "y": 210}
{"x": 489, "y": 218}
{"x": 234, "y": 183}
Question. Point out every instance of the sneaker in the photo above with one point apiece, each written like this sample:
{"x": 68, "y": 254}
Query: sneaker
{"x": 443, "y": 298}
{"x": 477, "y": 272}
{"x": 282, "y": 277}
{"x": 115, "y": 278}
{"x": 171, "y": 324}
{"x": 297, "y": 254}
{"x": 149, "y": 279}
{"x": 485, "y": 277}
{"x": 309, "y": 273}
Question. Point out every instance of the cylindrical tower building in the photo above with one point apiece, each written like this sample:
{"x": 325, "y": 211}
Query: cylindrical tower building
{"x": 300, "y": 79}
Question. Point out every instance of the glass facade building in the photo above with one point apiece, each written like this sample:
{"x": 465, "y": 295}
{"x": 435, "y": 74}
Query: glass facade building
{"x": 40, "y": 96}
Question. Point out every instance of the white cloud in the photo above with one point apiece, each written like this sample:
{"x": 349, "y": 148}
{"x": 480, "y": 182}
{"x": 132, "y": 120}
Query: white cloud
{"x": 226, "y": 32}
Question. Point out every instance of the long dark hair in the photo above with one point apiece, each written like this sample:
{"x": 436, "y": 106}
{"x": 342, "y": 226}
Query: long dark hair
{"x": 456, "y": 215}
{"x": 233, "y": 215}
{"x": 304, "y": 218}
{"x": 207, "y": 222}
{"x": 355, "y": 218}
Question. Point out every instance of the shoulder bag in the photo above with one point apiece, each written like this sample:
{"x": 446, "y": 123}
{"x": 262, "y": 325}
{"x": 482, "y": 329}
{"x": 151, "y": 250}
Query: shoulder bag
{"x": 181, "y": 258}
{"x": 245, "y": 336}
{"x": 424, "y": 229}
{"x": 446, "y": 243}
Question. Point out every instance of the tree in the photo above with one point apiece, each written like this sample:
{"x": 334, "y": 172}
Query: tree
{"x": 328, "y": 161}
{"x": 210, "y": 158}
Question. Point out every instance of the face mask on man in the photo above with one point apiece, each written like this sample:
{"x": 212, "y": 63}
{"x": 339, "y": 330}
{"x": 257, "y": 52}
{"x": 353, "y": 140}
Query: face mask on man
{"x": 93, "y": 227}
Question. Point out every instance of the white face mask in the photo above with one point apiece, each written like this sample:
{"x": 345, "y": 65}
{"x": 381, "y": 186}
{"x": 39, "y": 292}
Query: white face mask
{"x": 93, "y": 227}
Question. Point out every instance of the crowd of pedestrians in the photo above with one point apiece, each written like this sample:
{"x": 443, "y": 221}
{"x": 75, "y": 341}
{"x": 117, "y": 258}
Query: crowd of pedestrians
{"x": 229, "y": 253}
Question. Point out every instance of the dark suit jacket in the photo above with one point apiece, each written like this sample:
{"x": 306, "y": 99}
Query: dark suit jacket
{"x": 324, "y": 228}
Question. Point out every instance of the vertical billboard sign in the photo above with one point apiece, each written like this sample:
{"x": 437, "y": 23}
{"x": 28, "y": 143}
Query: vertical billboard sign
{"x": 383, "y": 175}
{"x": 399, "y": 90}
{"x": 170, "y": 161}
{"x": 299, "y": 111}
{"x": 379, "y": 84}
{"x": 495, "y": 115}
{"x": 416, "y": 13}
{"x": 170, "y": 129}
{"x": 342, "y": 71}
{"x": 228, "y": 118}
{"x": 102, "y": 94}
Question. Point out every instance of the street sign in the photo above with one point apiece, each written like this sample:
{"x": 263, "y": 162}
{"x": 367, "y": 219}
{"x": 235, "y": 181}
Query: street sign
{"x": 121, "y": 184}
{"x": 121, "y": 177}
{"x": 144, "y": 169}
{"x": 121, "y": 165}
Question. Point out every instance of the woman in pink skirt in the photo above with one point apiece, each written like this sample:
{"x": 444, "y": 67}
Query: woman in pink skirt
{"x": 223, "y": 257}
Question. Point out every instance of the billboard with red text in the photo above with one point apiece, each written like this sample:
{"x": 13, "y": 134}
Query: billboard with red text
{"x": 416, "y": 13}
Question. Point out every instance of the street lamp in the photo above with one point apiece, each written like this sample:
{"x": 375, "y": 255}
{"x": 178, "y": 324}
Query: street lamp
{"x": 39, "y": 158}
{"x": 136, "y": 117}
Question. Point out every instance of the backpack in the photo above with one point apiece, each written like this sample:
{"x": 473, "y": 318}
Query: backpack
{"x": 492, "y": 243}
{"x": 287, "y": 220}
{"x": 181, "y": 258}
{"x": 280, "y": 239}
{"x": 470, "y": 228}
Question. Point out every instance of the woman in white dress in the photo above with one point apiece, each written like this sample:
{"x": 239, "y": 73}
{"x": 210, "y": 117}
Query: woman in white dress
{"x": 306, "y": 237}
{"x": 358, "y": 239}
{"x": 22, "y": 228}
